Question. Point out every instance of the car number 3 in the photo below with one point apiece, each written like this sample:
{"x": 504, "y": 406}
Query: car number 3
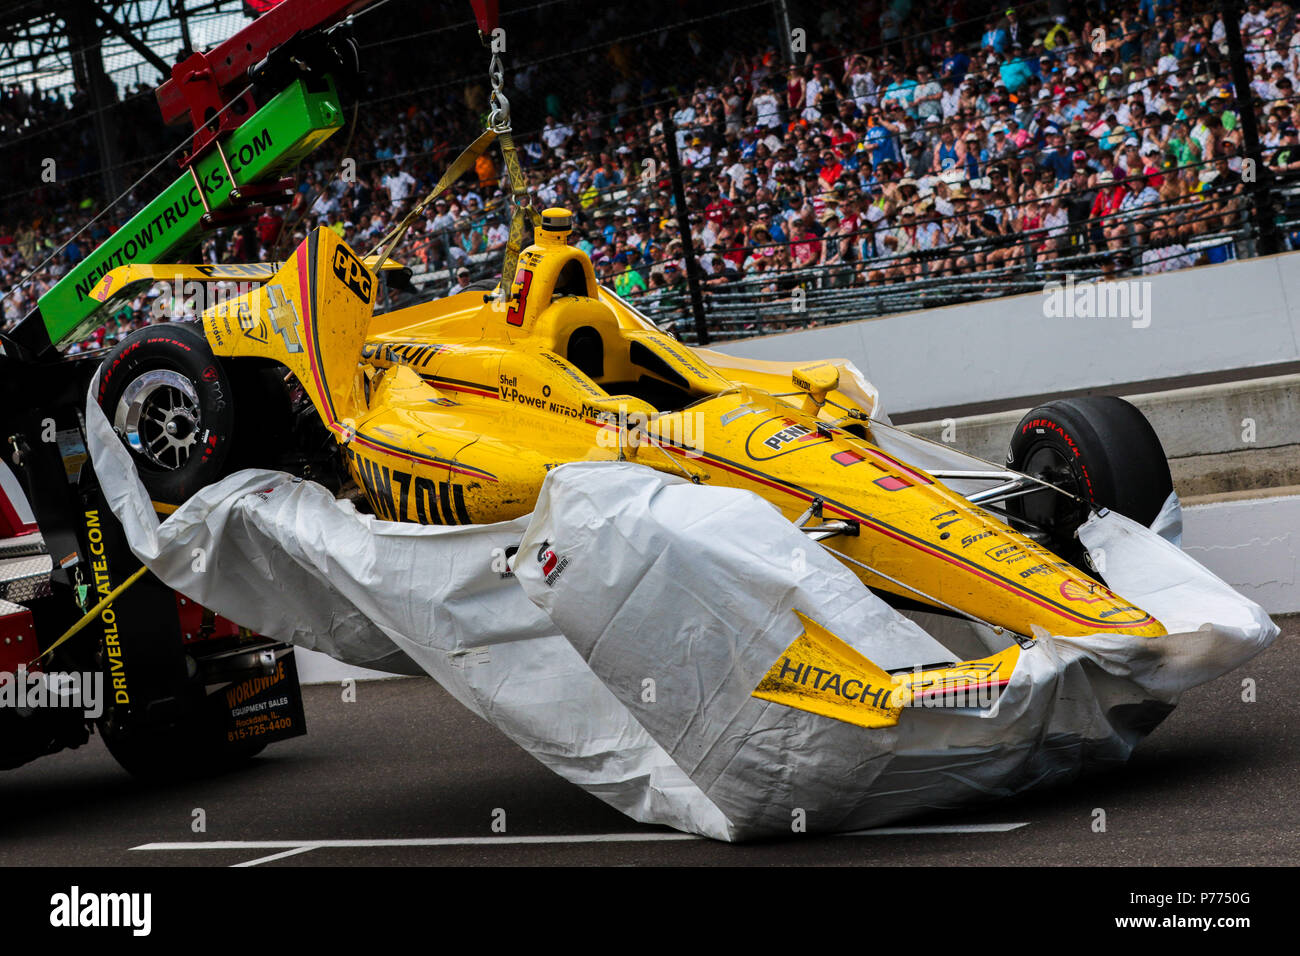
{"x": 515, "y": 314}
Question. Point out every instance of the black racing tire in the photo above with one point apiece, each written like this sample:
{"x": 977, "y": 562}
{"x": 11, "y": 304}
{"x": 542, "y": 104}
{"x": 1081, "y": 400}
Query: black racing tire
{"x": 1101, "y": 449}
{"x": 188, "y": 417}
{"x": 165, "y": 377}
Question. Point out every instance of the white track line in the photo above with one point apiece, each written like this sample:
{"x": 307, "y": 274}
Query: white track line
{"x": 940, "y": 829}
{"x": 417, "y": 841}
{"x": 294, "y": 847}
{"x": 275, "y": 856}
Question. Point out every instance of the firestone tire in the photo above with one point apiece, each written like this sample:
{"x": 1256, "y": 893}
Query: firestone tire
{"x": 229, "y": 413}
{"x": 171, "y": 401}
{"x": 1097, "y": 447}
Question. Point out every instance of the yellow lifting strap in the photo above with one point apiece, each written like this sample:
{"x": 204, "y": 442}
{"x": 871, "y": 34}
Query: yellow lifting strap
{"x": 523, "y": 208}
{"x": 463, "y": 164}
{"x": 90, "y": 615}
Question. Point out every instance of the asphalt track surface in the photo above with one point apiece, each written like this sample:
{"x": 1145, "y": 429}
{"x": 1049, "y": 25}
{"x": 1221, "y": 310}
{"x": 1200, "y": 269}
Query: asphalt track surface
{"x": 1216, "y": 784}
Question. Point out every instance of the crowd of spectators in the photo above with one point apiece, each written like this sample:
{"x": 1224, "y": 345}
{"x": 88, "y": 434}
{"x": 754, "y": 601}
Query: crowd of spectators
{"x": 904, "y": 144}
{"x": 1110, "y": 145}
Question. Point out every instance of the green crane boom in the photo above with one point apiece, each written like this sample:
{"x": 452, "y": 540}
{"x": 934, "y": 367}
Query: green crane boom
{"x": 271, "y": 142}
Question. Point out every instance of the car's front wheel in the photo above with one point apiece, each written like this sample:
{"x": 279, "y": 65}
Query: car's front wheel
{"x": 1101, "y": 450}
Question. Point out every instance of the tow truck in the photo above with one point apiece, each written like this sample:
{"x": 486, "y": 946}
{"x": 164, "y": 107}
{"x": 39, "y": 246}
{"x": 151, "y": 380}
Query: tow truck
{"x": 90, "y": 641}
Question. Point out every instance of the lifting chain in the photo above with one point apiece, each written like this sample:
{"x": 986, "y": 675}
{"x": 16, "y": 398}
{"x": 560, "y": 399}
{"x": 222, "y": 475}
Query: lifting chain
{"x": 499, "y": 112}
{"x": 521, "y": 210}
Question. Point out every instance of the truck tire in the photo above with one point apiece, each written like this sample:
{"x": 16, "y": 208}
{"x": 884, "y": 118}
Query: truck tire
{"x": 173, "y": 752}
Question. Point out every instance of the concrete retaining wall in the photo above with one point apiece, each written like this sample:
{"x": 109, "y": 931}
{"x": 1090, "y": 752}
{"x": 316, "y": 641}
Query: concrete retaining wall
{"x": 1252, "y": 544}
{"x": 1207, "y": 420}
{"x": 1238, "y": 315}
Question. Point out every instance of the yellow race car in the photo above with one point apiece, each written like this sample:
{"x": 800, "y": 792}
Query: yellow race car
{"x": 453, "y": 411}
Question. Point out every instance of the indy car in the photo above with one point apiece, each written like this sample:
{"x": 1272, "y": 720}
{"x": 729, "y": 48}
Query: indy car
{"x": 452, "y": 412}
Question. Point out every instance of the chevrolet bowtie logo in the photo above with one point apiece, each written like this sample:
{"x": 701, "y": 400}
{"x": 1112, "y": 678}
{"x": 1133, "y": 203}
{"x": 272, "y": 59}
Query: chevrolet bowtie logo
{"x": 284, "y": 318}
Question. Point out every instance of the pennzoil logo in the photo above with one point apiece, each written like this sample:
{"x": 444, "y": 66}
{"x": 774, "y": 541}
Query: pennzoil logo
{"x": 781, "y": 436}
{"x": 552, "y": 564}
{"x": 396, "y": 495}
{"x": 352, "y": 272}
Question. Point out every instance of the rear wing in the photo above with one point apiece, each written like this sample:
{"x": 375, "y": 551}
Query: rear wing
{"x": 205, "y": 285}
{"x": 311, "y": 316}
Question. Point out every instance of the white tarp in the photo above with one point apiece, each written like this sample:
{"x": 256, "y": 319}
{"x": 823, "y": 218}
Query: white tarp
{"x": 630, "y": 672}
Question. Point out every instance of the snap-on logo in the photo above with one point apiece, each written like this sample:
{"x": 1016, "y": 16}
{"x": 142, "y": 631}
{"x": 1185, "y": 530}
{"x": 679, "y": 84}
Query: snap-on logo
{"x": 552, "y": 565}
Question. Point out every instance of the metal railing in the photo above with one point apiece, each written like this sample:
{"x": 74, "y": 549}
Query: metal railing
{"x": 775, "y": 301}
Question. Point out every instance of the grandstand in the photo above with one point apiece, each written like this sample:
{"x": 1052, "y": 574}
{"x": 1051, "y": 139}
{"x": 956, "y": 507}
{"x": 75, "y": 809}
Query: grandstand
{"x": 837, "y": 162}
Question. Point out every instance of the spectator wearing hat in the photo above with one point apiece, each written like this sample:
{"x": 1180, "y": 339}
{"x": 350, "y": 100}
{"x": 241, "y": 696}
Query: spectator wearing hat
{"x": 907, "y": 234}
{"x": 927, "y": 95}
{"x": 1287, "y": 157}
{"x": 860, "y": 82}
{"x": 628, "y": 281}
{"x": 460, "y": 282}
{"x": 805, "y": 241}
{"x": 1001, "y": 146}
{"x": 973, "y": 156}
{"x": 932, "y": 239}
{"x": 1137, "y": 194}
{"x": 1152, "y": 165}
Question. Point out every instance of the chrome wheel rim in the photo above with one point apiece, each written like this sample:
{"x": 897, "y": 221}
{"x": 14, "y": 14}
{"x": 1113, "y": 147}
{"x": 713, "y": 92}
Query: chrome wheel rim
{"x": 158, "y": 416}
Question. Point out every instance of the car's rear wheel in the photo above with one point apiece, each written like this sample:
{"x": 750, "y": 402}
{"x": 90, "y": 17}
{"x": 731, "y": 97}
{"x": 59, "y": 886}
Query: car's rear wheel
{"x": 188, "y": 417}
{"x": 1101, "y": 450}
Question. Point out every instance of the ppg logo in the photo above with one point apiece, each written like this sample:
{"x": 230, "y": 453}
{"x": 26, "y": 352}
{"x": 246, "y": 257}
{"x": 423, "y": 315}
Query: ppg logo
{"x": 352, "y": 273}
